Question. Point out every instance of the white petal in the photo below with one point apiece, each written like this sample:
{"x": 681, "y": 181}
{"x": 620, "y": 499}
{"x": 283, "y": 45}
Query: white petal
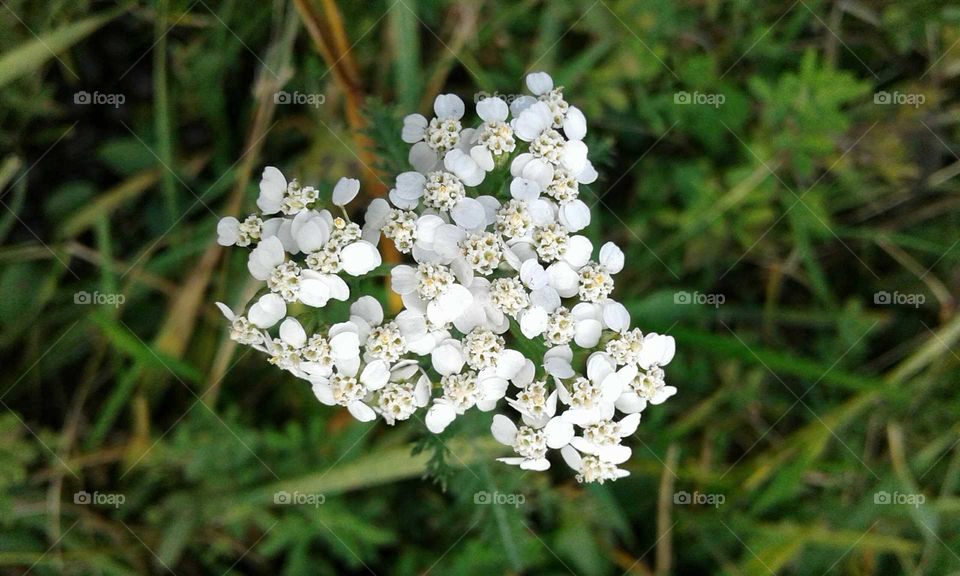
{"x": 323, "y": 392}
{"x": 268, "y": 310}
{"x": 509, "y": 363}
{"x": 292, "y": 333}
{"x": 611, "y": 257}
{"x": 338, "y": 288}
{"x": 574, "y": 156}
{"x": 533, "y": 275}
{"x": 469, "y": 214}
{"x": 540, "y": 171}
{"x": 575, "y": 215}
{"x": 579, "y": 250}
{"x": 422, "y": 157}
{"x": 520, "y": 104}
{"x": 588, "y": 175}
{"x": 558, "y": 432}
{"x": 414, "y": 127}
{"x": 546, "y": 298}
{"x": 314, "y": 292}
{"x": 447, "y": 358}
{"x": 228, "y": 229}
{"x": 523, "y": 189}
{"x": 564, "y": 279}
{"x": 662, "y": 396}
{"x": 574, "y": 124}
{"x": 542, "y": 212}
{"x": 630, "y": 403}
{"x": 628, "y": 425}
{"x": 311, "y": 236}
{"x": 483, "y": 158}
{"x": 421, "y": 393}
{"x": 490, "y": 207}
{"x": 615, "y": 454}
{"x": 599, "y": 366}
{"x": 361, "y": 411}
{"x": 513, "y": 460}
{"x": 403, "y": 279}
{"x": 465, "y": 167}
{"x": 533, "y": 121}
{"x": 368, "y": 308}
{"x": 526, "y": 374}
{"x": 571, "y": 457}
{"x": 345, "y": 345}
{"x": 657, "y": 349}
{"x": 439, "y": 416}
{"x": 615, "y": 316}
{"x": 359, "y": 258}
{"x": 273, "y": 187}
{"x": 345, "y": 191}
{"x": 227, "y": 312}
{"x": 451, "y": 304}
{"x": 410, "y": 185}
{"x": 538, "y": 465}
{"x": 539, "y": 82}
{"x": 492, "y": 109}
{"x": 375, "y": 375}
{"x": 533, "y": 321}
{"x": 446, "y": 240}
{"x": 556, "y": 361}
{"x": 588, "y": 333}
{"x": 448, "y": 106}
{"x": 377, "y": 213}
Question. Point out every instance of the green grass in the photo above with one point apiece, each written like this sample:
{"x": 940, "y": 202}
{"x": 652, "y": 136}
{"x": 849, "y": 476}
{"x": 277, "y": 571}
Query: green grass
{"x": 803, "y": 402}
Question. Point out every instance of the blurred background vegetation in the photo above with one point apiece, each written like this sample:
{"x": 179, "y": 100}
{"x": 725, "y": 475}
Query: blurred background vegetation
{"x": 782, "y": 175}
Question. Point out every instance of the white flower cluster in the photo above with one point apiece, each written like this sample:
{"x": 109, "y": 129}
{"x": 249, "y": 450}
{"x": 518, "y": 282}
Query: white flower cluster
{"x": 487, "y": 269}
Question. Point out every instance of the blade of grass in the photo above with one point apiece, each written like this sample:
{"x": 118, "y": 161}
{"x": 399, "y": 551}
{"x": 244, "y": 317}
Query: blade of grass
{"x": 31, "y": 56}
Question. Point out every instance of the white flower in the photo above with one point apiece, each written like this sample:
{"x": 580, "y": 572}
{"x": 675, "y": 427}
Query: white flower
{"x": 513, "y": 219}
{"x": 431, "y": 139}
{"x": 478, "y": 262}
{"x": 530, "y": 443}
{"x": 591, "y": 399}
{"x": 400, "y": 226}
{"x": 398, "y": 400}
{"x": 231, "y": 231}
{"x": 603, "y": 439}
{"x": 242, "y": 329}
{"x": 496, "y": 135}
{"x": 535, "y": 405}
{"x": 348, "y": 385}
{"x": 591, "y": 468}
{"x": 509, "y": 296}
{"x": 434, "y": 288}
{"x": 482, "y": 349}
{"x": 460, "y": 393}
